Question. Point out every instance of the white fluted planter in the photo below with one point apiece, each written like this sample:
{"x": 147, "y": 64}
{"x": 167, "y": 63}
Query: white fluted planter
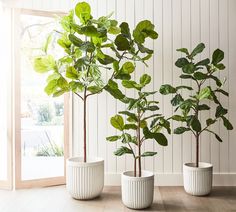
{"x": 85, "y": 180}
{"x": 137, "y": 192}
{"x": 198, "y": 180}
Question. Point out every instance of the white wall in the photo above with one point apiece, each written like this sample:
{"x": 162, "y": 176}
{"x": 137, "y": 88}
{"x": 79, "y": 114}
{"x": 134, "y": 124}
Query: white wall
{"x": 180, "y": 23}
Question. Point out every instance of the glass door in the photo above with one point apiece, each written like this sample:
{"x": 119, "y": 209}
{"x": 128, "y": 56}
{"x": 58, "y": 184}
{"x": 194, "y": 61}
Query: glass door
{"x": 42, "y": 121}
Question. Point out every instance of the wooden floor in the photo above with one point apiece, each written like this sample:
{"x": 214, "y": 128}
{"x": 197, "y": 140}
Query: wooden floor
{"x": 56, "y": 199}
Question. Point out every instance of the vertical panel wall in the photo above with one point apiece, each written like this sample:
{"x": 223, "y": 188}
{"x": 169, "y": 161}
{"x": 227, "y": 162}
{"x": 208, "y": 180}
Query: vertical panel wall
{"x": 180, "y": 23}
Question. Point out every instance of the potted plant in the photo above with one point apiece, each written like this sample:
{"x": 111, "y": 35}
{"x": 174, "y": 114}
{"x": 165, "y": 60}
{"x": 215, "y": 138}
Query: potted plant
{"x": 198, "y": 175}
{"x": 138, "y": 184}
{"x": 82, "y": 70}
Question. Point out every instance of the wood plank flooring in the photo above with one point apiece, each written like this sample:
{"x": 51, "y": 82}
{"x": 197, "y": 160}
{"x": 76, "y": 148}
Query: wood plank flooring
{"x": 56, "y": 199}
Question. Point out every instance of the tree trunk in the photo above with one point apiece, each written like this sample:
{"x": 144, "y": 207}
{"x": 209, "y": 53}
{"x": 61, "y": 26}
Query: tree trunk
{"x": 197, "y": 150}
{"x": 85, "y": 128}
{"x": 135, "y": 169}
{"x": 139, "y": 147}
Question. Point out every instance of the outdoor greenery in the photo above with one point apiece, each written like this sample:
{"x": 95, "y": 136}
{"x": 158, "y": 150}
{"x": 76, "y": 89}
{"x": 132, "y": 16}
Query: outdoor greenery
{"x": 196, "y": 101}
{"x": 86, "y": 42}
{"x": 145, "y": 126}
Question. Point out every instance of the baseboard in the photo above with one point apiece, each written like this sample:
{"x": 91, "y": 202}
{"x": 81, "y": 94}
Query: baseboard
{"x": 175, "y": 179}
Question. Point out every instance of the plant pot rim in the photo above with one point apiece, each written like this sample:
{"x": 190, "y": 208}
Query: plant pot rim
{"x": 79, "y": 161}
{"x": 145, "y": 175}
{"x": 202, "y": 166}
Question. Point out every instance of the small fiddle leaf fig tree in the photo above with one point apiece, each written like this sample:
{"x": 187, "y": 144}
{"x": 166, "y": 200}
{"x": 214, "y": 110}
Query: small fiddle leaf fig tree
{"x": 85, "y": 41}
{"x": 145, "y": 127}
{"x": 191, "y": 106}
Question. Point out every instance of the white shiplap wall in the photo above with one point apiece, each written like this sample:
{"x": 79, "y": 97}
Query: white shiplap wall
{"x": 180, "y": 23}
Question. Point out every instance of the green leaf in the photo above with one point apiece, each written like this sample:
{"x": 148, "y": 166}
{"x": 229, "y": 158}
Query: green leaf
{"x": 72, "y": 73}
{"x": 145, "y": 79}
{"x": 112, "y": 88}
{"x": 83, "y": 12}
{"x": 159, "y": 137}
{"x": 195, "y": 124}
{"x": 220, "y": 111}
{"x": 184, "y": 76}
{"x": 59, "y": 93}
{"x": 181, "y": 62}
{"x": 128, "y": 67}
{"x": 184, "y": 87}
{"x": 217, "y": 56}
{"x": 178, "y": 118}
{"x": 148, "y": 154}
{"x": 183, "y": 50}
{"x": 203, "y": 107}
{"x": 87, "y": 47}
{"x": 217, "y": 137}
{"x": 123, "y": 150}
{"x": 130, "y": 127}
{"x": 125, "y": 29}
{"x": 167, "y": 89}
{"x": 218, "y": 82}
{"x": 122, "y": 43}
{"x": 143, "y": 30}
{"x": 44, "y": 64}
{"x": 204, "y": 93}
{"x": 203, "y": 62}
{"x": 144, "y": 49}
{"x": 75, "y": 40}
{"x": 199, "y": 75}
{"x": 227, "y": 123}
{"x": 198, "y": 49}
{"x": 117, "y": 122}
{"x": 94, "y": 89}
{"x": 177, "y": 100}
{"x": 51, "y": 87}
{"x": 210, "y": 121}
{"x": 113, "y": 138}
{"x": 222, "y": 91}
{"x": 129, "y": 114}
{"x": 131, "y": 84}
{"x": 189, "y": 68}
{"x": 104, "y": 58}
{"x": 181, "y": 130}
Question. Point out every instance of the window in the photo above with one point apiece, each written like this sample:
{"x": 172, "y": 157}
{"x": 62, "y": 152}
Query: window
{"x": 41, "y": 121}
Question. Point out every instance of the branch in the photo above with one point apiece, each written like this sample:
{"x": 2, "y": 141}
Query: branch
{"x": 79, "y": 96}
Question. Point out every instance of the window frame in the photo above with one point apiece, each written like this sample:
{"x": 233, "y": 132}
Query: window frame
{"x": 19, "y": 183}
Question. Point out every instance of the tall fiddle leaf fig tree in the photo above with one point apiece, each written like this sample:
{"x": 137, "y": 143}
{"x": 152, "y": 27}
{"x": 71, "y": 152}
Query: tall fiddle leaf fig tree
{"x": 201, "y": 96}
{"x": 85, "y": 63}
{"x": 145, "y": 126}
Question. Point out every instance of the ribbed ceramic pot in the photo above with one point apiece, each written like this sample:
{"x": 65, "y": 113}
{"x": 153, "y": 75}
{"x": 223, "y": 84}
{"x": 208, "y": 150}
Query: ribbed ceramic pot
{"x": 137, "y": 192}
{"x": 85, "y": 180}
{"x": 198, "y": 180}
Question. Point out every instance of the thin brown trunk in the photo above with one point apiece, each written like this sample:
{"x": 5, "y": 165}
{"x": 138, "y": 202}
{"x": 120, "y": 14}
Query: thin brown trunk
{"x": 139, "y": 147}
{"x": 85, "y": 129}
{"x": 135, "y": 169}
{"x": 197, "y": 150}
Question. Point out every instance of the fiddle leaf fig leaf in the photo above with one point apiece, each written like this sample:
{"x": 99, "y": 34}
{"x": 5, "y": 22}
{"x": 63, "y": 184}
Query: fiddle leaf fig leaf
{"x": 145, "y": 79}
{"x": 204, "y": 93}
{"x": 198, "y": 49}
{"x": 227, "y": 123}
{"x": 220, "y": 111}
{"x": 143, "y": 30}
{"x": 189, "y": 68}
{"x": 183, "y": 50}
{"x": 123, "y": 150}
{"x": 122, "y": 43}
{"x": 177, "y": 100}
{"x": 217, "y": 56}
{"x": 117, "y": 122}
{"x": 83, "y": 12}
{"x": 44, "y": 64}
{"x": 148, "y": 154}
{"x": 181, "y": 130}
{"x": 128, "y": 67}
{"x": 167, "y": 89}
{"x": 181, "y": 62}
{"x": 216, "y": 136}
{"x": 113, "y": 138}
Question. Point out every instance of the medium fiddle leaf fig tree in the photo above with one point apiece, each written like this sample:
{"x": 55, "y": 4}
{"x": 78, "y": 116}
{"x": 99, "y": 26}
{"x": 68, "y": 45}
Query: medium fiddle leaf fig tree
{"x": 195, "y": 102}
{"x": 85, "y": 42}
{"x": 145, "y": 126}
